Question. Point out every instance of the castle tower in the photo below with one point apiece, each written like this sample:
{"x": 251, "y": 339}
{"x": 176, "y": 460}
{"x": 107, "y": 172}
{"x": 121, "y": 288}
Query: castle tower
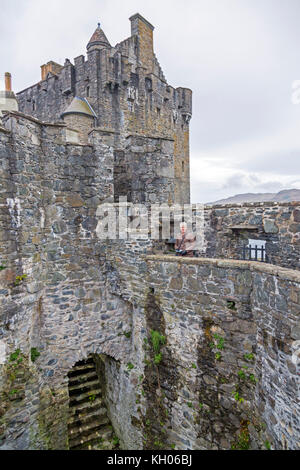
{"x": 131, "y": 98}
{"x": 8, "y": 100}
{"x": 98, "y": 40}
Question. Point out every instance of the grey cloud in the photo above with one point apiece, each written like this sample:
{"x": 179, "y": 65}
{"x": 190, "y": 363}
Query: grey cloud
{"x": 284, "y": 163}
{"x": 239, "y": 180}
{"x": 235, "y": 181}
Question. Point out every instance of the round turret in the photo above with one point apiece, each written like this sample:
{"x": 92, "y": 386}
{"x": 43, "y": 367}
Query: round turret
{"x": 80, "y": 116}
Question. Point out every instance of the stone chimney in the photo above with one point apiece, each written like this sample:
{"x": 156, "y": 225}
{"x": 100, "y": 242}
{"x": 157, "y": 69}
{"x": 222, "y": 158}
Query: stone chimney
{"x": 52, "y": 67}
{"x": 7, "y": 81}
{"x": 8, "y": 100}
{"x": 144, "y": 31}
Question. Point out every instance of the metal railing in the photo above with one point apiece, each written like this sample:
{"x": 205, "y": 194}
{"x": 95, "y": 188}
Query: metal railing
{"x": 255, "y": 253}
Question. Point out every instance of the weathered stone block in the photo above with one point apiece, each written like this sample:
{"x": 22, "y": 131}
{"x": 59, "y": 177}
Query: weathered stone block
{"x": 270, "y": 226}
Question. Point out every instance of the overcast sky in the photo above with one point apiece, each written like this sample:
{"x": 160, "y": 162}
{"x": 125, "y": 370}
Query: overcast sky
{"x": 240, "y": 58}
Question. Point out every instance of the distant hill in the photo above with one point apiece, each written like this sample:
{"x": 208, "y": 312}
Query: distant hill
{"x": 287, "y": 195}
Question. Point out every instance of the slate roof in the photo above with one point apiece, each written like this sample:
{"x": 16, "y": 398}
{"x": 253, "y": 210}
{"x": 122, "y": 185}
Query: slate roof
{"x": 98, "y": 39}
{"x": 79, "y": 106}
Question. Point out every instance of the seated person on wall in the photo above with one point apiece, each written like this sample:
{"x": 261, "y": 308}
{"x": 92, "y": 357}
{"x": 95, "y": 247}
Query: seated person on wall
{"x": 185, "y": 242}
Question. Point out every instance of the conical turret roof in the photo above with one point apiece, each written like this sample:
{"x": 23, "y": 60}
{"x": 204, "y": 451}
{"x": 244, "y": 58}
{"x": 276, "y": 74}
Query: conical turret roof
{"x": 98, "y": 40}
{"x": 79, "y": 106}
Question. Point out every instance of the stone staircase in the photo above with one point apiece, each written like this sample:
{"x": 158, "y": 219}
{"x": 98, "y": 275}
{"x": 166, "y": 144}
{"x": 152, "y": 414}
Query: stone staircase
{"x": 89, "y": 427}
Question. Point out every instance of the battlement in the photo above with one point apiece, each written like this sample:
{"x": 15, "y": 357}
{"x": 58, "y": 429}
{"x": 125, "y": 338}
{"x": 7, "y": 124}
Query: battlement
{"x": 32, "y": 130}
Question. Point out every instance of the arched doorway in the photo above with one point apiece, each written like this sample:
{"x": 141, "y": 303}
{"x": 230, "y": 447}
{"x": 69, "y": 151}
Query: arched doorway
{"x": 89, "y": 426}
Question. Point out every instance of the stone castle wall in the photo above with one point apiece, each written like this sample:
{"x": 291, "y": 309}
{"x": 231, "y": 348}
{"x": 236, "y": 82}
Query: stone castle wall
{"x": 227, "y": 371}
{"x": 50, "y": 191}
{"x": 227, "y": 393}
{"x": 229, "y": 227}
{"x": 144, "y": 171}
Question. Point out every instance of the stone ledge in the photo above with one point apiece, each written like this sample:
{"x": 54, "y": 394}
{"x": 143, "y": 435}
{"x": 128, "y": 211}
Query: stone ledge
{"x": 77, "y": 144}
{"x": 282, "y": 273}
{"x": 243, "y": 227}
{"x": 7, "y": 114}
{"x": 145, "y": 136}
{"x": 100, "y": 129}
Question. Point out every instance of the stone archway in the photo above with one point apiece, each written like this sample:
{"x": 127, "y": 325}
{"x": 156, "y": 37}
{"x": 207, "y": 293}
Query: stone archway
{"x": 89, "y": 426}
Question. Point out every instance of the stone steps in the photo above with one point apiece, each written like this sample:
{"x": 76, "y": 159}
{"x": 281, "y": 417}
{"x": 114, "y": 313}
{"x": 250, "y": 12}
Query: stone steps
{"x": 86, "y": 406}
{"x": 89, "y": 384}
{"x": 85, "y": 417}
{"x": 83, "y": 397}
{"x": 100, "y": 436}
{"x": 82, "y": 367}
{"x": 83, "y": 430}
{"x": 79, "y": 379}
{"x": 88, "y": 424}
